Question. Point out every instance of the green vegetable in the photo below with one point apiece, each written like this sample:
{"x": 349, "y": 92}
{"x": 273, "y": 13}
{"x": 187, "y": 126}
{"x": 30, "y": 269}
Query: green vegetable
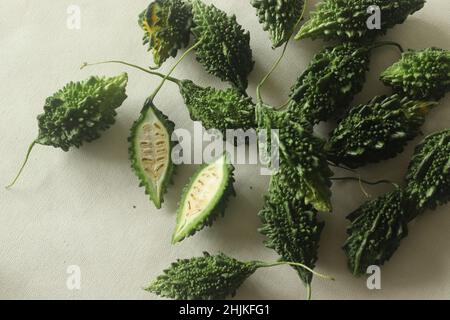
{"x": 423, "y": 74}
{"x": 376, "y": 131}
{"x": 167, "y": 25}
{"x": 208, "y": 277}
{"x": 150, "y": 152}
{"x": 330, "y": 82}
{"x": 428, "y": 177}
{"x": 218, "y": 109}
{"x": 376, "y": 231}
{"x": 346, "y": 20}
{"x": 279, "y": 18}
{"x": 204, "y": 198}
{"x": 79, "y": 112}
{"x": 292, "y": 230}
{"x": 304, "y": 173}
{"x": 225, "y": 48}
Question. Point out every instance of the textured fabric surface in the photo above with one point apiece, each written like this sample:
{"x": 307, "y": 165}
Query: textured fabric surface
{"x": 85, "y": 208}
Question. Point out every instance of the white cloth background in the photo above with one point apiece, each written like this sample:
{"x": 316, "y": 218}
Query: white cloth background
{"x": 76, "y": 208}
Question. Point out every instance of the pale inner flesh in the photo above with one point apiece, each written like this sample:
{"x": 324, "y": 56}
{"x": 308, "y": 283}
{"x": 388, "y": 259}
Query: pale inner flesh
{"x": 153, "y": 147}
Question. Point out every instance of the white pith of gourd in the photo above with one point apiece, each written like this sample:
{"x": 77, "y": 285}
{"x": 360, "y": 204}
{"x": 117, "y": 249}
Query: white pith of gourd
{"x": 152, "y": 147}
{"x": 204, "y": 193}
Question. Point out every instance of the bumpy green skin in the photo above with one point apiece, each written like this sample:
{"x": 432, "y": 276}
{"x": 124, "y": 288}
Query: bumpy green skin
{"x": 167, "y": 26}
{"x": 428, "y": 177}
{"x": 346, "y": 20}
{"x": 330, "y": 82}
{"x": 303, "y": 165}
{"x": 376, "y": 131}
{"x": 218, "y": 109}
{"x": 376, "y": 231}
{"x": 292, "y": 230}
{"x": 203, "y": 278}
{"x": 81, "y": 111}
{"x": 225, "y": 48}
{"x": 423, "y": 75}
{"x": 212, "y": 213}
{"x": 279, "y": 18}
{"x": 169, "y": 126}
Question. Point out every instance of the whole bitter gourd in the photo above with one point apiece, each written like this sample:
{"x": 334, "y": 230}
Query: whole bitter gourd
{"x": 150, "y": 152}
{"x": 279, "y": 18}
{"x": 330, "y": 82}
{"x": 347, "y": 20}
{"x": 167, "y": 26}
{"x": 376, "y": 231}
{"x": 428, "y": 177}
{"x": 224, "y": 47}
{"x": 423, "y": 74}
{"x": 376, "y": 131}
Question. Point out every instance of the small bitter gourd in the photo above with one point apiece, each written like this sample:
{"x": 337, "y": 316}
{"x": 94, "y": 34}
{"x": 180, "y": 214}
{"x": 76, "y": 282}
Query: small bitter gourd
{"x": 346, "y": 20}
{"x": 423, "y": 74}
{"x": 330, "y": 82}
{"x": 78, "y": 113}
{"x": 428, "y": 177}
{"x": 376, "y": 131}
{"x": 376, "y": 231}
{"x": 204, "y": 198}
{"x": 303, "y": 164}
{"x": 150, "y": 152}
{"x": 292, "y": 230}
{"x": 279, "y": 18}
{"x": 218, "y": 109}
{"x": 224, "y": 48}
{"x": 167, "y": 26}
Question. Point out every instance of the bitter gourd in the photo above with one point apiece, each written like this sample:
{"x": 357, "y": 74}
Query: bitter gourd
{"x": 224, "y": 48}
{"x": 346, "y": 20}
{"x": 279, "y": 18}
{"x": 204, "y": 198}
{"x": 303, "y": 164}
{"x": 376, "y": 231}
{"x": 330, "y": 82}
{"x": 218, "y": 109}
{"x": 428, "y": 177}
{"x": 167, "y": 26}
{"x": 376, "y": 131}
{"x": 150, "y": 152}
{"x": 423, "y": 74}
{"x": 292, "y": 230}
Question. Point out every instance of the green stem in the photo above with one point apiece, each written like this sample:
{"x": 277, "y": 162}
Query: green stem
{"x": 308, "y": 291}
{"x": 372, "y": 183}
{"x": 149, "y": 71}
{"x": 23, "y": 165}
{"x": 387, "y": 43}
{"x": 274, "y": 67}
{"x": 296, "y": 264}
{"x": 152, "y": 97}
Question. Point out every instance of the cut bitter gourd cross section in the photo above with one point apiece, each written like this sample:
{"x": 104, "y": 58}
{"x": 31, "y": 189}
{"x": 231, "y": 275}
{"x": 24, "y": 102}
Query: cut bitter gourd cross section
{"x": 204, "y": 198}
{"x": 150, "y": 152}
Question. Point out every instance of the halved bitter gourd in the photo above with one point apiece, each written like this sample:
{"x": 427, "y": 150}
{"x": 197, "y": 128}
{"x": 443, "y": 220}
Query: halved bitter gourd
{"x": 150, "y": 152}
{"x": 204, "y": 198}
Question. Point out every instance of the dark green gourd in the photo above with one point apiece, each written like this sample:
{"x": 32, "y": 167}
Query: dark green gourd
{"x": 330, "y": 82}
{"x": 224, "y": 48}
{"x": 376, "y": 131}
{"x": 428, "y": 177}
{"x": 346, "y": 20}
{"x": 279, "y": 18}
{"x": 79, "y": 113}
{"x": 422, "y": 74}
